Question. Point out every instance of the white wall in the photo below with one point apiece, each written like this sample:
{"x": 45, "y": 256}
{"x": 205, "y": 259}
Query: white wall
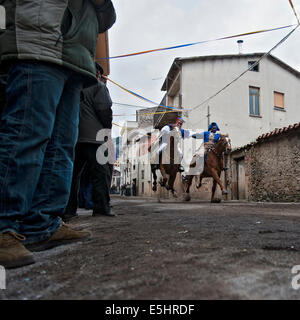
{"x": 230, "y": 109}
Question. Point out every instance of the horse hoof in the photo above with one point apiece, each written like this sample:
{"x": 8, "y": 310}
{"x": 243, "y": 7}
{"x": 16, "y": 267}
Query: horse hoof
{"x": 198, "y": 186}
{"x": 174, "y": 194}
{"x": 187, "y": 198}
{"x": 224, "y": 192}
{"x": 215, "y": 200}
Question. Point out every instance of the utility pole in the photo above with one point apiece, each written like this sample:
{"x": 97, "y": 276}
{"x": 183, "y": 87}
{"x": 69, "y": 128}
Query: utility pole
{"x": 208, "y": 116}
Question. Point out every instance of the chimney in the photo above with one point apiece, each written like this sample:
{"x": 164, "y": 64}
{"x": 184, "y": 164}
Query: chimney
{"x": 240, "y": 44}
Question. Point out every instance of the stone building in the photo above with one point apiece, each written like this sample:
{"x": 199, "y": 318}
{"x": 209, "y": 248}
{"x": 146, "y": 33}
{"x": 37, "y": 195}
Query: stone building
{"x": 267, "y": 169}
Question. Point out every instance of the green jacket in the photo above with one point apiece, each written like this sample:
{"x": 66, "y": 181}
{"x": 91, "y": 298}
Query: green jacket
{"x": 64, "y": 32}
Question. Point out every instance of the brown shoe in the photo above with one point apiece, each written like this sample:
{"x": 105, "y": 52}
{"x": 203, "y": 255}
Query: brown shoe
{"x": 64, "y": 235}
{"x": 12, "y": 252}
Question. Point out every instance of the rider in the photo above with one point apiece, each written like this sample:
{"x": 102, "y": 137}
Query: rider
{"x": 165, "y": 132}
{"x": 211, "y": 137}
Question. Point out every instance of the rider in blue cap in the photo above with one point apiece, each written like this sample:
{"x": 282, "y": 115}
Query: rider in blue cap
{"x": 211, "y": 137}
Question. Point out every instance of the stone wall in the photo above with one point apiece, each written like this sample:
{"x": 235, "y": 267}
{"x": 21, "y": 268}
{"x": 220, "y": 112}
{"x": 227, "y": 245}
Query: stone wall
{"x": 275, "y": 169}
{"x": 272, "y": 169}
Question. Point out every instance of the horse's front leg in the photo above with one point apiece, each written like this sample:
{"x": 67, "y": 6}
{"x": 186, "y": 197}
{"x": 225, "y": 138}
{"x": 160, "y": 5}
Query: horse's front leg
{"x": 164, "y": 175}
{"x": 187, "y": 183}
{"x": 172, "y": 177}
{"x": 198, "y": 185}
{"x": 213, "y": 190}
{"x": 216, "y": 177}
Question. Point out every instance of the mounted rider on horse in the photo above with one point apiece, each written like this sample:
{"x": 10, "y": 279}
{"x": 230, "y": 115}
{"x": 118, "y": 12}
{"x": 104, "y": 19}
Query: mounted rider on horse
{"x": 166, "y": 131}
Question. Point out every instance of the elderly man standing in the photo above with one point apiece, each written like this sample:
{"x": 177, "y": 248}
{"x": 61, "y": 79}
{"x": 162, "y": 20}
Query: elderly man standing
{"x": 48, "y": 47}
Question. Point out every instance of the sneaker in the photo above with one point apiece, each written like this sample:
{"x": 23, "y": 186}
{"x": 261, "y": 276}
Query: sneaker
{"x": 64, "y": 235}
{"x": 12, "y": 252}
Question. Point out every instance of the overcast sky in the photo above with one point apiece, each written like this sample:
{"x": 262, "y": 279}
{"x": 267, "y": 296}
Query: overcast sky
{"x": 149, "y": 24}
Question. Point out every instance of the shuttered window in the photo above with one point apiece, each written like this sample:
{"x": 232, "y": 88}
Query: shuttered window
{"x": 278, "y": 100}
{"x": 254, "y": 109}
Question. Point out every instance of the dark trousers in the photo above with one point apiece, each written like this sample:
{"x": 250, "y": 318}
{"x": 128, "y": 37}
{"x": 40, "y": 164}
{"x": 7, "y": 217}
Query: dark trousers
{"x": 85, "y": 156}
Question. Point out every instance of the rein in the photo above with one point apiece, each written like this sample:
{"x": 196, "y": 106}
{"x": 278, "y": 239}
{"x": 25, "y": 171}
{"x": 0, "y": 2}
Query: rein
{"x": 219, "y": 155}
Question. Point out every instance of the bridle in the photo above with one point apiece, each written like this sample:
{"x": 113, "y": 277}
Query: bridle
{"x": 226, "y": 142}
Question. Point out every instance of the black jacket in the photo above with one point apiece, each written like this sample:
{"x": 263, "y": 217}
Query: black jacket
{"x": 95, "y": 112}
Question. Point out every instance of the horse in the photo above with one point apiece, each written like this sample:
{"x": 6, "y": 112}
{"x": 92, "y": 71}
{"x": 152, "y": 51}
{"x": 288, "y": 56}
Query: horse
{"x": 168, "y": 164}
{"x": 212, "y": 168}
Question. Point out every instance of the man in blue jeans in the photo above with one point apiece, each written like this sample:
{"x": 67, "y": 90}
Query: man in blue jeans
{"x": 48, "y": 47}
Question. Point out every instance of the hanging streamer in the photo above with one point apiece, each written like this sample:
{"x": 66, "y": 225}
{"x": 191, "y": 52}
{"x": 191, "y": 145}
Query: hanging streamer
{"x": 198, "y": 42}
{"x": 295, "y": 13}
{"x": 141, "y": 97}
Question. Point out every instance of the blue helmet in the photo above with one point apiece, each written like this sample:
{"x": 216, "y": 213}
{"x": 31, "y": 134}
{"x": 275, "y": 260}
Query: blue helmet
{"x": 213, "y": 124}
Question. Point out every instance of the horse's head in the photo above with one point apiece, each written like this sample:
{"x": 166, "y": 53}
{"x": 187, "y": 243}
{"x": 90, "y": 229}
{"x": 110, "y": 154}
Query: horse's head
{"x": 225, "y": 143}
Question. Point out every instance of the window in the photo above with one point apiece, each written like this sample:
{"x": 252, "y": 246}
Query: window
{"x": 251, "y": 63}
{"x": 254, "y": 101}
{"x": 143, "y": 174}
{"x": 278, "y": 100}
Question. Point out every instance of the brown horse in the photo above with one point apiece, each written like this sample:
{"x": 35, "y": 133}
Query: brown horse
{"x": 167, "y": 165}
{"x": 212, "y": 168}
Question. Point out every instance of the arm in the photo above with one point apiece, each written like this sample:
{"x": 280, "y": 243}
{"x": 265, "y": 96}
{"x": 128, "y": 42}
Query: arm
{"x": 195, "y": 135}
{"x": 105, "y": 13}
{"x": 165, "y": 133}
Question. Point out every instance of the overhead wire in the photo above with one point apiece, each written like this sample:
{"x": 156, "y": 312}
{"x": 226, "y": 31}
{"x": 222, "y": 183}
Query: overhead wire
{"x": 225, "y": 87}
{"x": 250, "y": 68}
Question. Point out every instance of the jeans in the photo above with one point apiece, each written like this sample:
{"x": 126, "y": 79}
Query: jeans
{"x": 85, "y": 190}
{"x": 38, "y": 132}
{"x": 85, "y": 155}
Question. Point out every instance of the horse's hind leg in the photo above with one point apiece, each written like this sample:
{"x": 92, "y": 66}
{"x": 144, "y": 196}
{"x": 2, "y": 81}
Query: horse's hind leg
{"x": 164, "y": 175}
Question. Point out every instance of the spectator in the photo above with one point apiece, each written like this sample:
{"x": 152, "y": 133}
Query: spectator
{"x": 48, "y": 65}
{"x": 127, "y": 190}
{"x": 134, "y": 188}
{"x": 95, "y": 114}
{"x": 123, "y": 188}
